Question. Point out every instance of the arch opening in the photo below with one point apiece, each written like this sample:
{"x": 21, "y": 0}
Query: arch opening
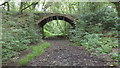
{"x": 56, "y": 28}
{"x": 56, "y": 17}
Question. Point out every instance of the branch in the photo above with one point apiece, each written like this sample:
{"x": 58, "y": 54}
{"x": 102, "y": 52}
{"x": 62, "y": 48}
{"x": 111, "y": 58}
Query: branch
{"x": 29, "y": 6}
{"x": 4, "y": 3}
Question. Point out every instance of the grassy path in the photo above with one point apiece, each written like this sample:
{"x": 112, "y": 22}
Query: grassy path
{"x": 61, "y": 54}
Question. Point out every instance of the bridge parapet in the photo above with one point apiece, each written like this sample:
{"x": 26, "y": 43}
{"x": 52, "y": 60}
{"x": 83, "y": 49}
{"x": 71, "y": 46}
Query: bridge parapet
{"x": 41, "y": 16}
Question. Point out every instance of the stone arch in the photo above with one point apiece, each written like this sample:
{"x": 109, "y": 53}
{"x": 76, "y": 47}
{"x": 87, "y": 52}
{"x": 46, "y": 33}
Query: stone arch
{"x": 47, "y": 19}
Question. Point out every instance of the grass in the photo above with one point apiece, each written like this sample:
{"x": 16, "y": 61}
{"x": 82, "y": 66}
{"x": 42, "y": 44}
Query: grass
{"x": 49, "y": 34}
{"x": 36, "y": 51}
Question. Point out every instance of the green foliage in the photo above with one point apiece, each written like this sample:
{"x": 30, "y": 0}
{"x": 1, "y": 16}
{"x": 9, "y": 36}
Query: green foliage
{"x": 78, "y": 33}
{"x": 18, "y": 33}
{"x": 104, "y": 49}
{"x": 100, "y": 44}
{"x": 97, "y": 31}
{"x": 49, "y": 34}
{"x": 104, "y": 17}
{"x": 36, "y": 51}
{"x": 57, "y": 27}
{"x": 116, "y": 56}
{"x": 96, "y": 43}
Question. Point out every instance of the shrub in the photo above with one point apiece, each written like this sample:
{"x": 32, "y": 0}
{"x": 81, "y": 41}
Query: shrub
{"x": 18, "y": 33}
{"x": 104, "y": 17}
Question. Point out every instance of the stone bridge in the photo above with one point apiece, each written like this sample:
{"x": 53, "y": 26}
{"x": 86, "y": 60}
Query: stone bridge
{"x": 43, "y": 18}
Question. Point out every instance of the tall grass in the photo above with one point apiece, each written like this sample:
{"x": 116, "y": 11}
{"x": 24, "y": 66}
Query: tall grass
{"x": 36, "y": 51}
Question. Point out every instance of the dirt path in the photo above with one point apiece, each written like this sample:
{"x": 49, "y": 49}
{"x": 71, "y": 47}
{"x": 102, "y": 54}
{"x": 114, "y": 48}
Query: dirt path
{"x": 61, "y": 54}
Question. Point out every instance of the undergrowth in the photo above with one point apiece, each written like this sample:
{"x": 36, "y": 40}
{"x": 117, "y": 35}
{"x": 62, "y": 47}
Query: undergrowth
{"x": 97, "y": 32}
{"x": 18, "y": 31}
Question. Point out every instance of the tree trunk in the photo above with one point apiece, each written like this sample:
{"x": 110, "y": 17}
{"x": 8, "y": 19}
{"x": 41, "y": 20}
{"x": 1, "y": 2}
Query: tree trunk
{"x": 21, "y": 6}
{"x": 8, "y": 7}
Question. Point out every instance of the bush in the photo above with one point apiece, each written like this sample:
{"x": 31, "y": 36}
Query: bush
{"x": 18, "y": 33}
{"x": 97, "y": 31}
{"x": 99, "y": 43}
{"x": 103, "y": 18}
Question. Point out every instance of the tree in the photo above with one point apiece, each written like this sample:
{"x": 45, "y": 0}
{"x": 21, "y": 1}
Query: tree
{"x": 117, "y": 4}
{"x": 6, "y": 3}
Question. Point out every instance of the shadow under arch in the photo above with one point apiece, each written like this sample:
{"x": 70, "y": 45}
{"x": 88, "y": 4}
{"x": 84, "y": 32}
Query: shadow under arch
{"x": 47, "y": 19}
